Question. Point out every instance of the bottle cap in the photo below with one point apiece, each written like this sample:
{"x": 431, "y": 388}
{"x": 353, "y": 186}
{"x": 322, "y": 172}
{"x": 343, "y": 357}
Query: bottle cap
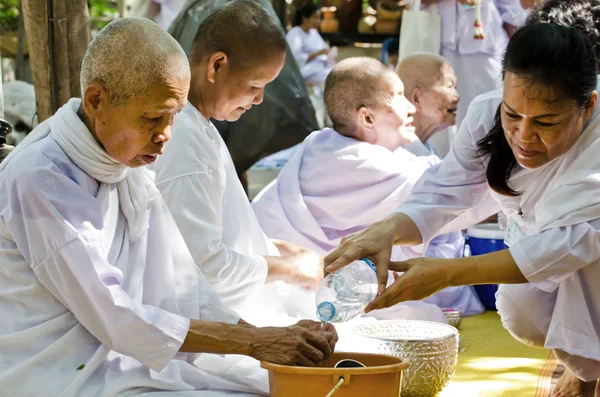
{"x": 325, "y": 311}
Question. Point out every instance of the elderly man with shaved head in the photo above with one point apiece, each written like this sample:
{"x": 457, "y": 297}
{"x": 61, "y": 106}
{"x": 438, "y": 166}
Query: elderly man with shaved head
{"x": 341, "y": 180}
{"x": 99, "y": 295}
{"x": 430, "y": 85}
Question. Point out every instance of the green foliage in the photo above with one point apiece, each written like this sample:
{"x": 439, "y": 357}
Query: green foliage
{"x": 9, "y": 15}
{"x": 101, "y": 12}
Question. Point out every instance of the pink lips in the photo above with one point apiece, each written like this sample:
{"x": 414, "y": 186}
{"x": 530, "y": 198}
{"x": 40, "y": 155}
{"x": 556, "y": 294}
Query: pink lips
{"x": 149, "y": 158}
{"x": 525, "y": 153}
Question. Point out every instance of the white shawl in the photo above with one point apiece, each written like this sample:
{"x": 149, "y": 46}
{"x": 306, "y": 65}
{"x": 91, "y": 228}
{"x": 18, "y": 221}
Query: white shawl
{"x": 129, "y": 190}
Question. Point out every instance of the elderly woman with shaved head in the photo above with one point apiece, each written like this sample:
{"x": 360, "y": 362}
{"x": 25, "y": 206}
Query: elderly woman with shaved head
{"x": 99, "y": 295}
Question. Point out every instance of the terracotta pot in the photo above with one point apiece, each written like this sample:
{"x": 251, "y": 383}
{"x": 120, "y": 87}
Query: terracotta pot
{"x": 329, "y": 24}
{"x": 349, "y": 13}
{"x": 366, "y": 25}
{"x": 387, "y": 27}
{"x": 389, "y": 13}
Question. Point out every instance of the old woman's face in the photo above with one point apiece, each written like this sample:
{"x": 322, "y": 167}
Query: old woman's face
{"x": 134, "y": 133}
{"x": 539, "y": 124}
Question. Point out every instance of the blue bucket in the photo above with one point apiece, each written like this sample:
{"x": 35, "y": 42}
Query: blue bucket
{"x": 483, "y": 239}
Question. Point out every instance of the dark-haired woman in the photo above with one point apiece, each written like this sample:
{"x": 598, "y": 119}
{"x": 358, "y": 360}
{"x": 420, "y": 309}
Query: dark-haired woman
{"x": 531, "y": 150}
{"x": 314, "y": 57}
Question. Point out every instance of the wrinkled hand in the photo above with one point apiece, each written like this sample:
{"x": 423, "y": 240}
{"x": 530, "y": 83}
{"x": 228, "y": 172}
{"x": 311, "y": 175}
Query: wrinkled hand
{"x": 295, "y": 345}
{"x": 422, "y": 277}
{"x": 374, "y": 242}
{"x": 327, "y": 329}
{"x": 303, "y": 267}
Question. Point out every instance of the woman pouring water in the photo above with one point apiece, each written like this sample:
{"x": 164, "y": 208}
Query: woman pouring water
{"x": 531, "y": 150}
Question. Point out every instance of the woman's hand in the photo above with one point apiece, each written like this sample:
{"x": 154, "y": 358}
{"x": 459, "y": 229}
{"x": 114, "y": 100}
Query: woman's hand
{"x": 426, "y": 276}
{"x": 375, "y": 242}
{"x": 422, "y": 277}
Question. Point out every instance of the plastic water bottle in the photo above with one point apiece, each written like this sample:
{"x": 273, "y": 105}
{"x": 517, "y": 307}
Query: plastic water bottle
{"x": 345, "y": 293}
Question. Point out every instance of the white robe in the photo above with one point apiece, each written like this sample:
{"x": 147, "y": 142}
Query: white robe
{"x": 169, "y": 9}
{"x": 334, "y": 186}
{"x": 477, "y": 63}
{"x": 94, "y": 272}
{"x": 560, "y": 251}
{"x": 197, "y": 179}
{"x": 302, "y": 44}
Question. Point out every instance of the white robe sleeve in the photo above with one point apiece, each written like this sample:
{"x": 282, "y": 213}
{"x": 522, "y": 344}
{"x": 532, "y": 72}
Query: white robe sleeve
{"x": 453, "y": 194}
{"x": 295, "y": 43}
{"x": 195, "y": 203}
{"x": 57, "y": 226}
{"x": 511, "y": 12}
{"x": 551, "y": 256}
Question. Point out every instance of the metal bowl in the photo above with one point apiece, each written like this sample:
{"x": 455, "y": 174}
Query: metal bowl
{"x": 431, "y": 348}
{"x": 454, "y": 317}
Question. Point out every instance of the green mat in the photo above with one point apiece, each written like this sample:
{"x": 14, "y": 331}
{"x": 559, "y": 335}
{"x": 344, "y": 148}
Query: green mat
{"x": 493, "y": 364}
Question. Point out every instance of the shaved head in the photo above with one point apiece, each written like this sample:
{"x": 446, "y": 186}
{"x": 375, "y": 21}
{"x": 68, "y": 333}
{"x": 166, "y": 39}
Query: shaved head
{"x": 131, "y": 55}
{"x": 421, "y": 70}
{"x": 430, "y": 84}
{"x": 243, "y": 30}
{"x": 355, "y": 83}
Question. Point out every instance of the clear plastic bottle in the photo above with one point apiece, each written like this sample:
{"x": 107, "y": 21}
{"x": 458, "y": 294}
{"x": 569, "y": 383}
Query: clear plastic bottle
{"x": 345, "y": 293}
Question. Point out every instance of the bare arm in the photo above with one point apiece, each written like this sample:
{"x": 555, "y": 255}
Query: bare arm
{"x": 305, "y": 343}
{"x": 313, "y": 55}
{"x": 426, "y": 276}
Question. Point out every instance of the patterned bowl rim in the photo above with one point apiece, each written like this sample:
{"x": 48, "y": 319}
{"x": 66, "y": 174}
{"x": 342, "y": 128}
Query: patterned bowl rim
{"x": 451, "y": 331}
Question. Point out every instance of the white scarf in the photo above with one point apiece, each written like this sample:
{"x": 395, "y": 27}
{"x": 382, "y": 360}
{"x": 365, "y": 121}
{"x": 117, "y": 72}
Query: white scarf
{"x": 134, "y": 187}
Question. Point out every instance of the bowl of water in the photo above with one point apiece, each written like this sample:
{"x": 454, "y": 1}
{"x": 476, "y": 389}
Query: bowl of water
{"x": 431, "y": 348}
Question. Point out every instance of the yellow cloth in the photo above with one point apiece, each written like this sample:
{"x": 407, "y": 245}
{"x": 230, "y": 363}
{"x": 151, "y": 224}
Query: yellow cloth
{"x": 491, "y": 363}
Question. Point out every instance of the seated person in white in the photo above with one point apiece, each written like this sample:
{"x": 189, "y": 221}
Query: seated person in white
{"x": 196, "y": 175}
{"x": 314, "y": 57}
{"x": 99, "y": 295}
{"x": 344, "y": 179}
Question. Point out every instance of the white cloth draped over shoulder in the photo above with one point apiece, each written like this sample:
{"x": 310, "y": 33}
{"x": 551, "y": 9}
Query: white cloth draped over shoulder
{"x": 198, "y": 181}
{"x": 334, "y": 186}
{"x": 95, "y": 272}
{"x": 560, "y": 250}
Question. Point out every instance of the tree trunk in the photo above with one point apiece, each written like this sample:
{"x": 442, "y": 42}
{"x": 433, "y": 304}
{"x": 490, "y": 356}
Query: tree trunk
{"x": 58, "y": 35}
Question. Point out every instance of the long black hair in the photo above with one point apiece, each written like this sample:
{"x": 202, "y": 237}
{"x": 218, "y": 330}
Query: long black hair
{"x": 305, "y": 11}
{"x": 555, "y": 57}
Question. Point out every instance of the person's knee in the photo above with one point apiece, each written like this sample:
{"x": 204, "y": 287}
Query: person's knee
{"x": 516, "y": 320}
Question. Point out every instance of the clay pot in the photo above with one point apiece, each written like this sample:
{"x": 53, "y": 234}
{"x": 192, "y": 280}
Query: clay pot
{"x": 329, "y": 24}
{"x": 349, "y": 13}
{"x": 366, "y": 25}
{"x": 389, "y": 12}
{"x": 387, "y": 26}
